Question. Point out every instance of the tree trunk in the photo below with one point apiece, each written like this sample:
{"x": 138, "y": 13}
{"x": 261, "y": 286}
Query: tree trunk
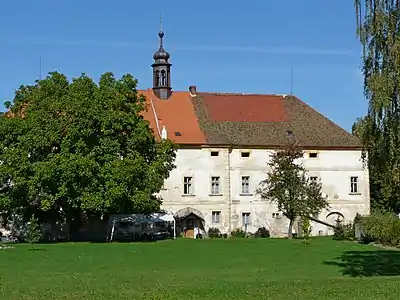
{"x": 290, "y": 235}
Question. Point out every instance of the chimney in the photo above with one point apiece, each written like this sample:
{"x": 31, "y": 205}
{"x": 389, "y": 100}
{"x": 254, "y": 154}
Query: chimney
{"x": 164, "y": 133}
{"x": 193, "y": 91}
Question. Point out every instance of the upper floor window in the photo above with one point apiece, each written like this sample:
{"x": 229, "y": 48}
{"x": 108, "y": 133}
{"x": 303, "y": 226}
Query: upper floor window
{"x": 214, "y": 153}
{"x": 215, "y": 185}
{"x": 314, "y": 178}
{"x": 245, "y": 184}
{"x": 354, "y": 184}
{"x": 245, "y": 154}
{"x": 188, "y": 185}
{"x": 313, "y": 154}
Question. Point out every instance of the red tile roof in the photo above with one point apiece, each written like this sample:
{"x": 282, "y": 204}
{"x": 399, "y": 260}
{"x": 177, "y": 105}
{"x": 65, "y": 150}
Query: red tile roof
{"x": 176, "y": 114}
{"x": 243, "y": 120}
{"x": 245, "y": 108}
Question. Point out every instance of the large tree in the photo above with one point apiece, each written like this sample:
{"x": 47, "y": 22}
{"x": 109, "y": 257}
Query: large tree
{"x": 379, "y": 33}
{"x": 288, "y": 186}
{"x": 68, "y": 148}
{"x": 358, "y": 128}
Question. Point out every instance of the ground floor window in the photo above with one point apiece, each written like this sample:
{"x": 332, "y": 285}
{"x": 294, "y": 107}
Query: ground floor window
{"x": 245, "y": 219}
{"x": 216, "y": 217}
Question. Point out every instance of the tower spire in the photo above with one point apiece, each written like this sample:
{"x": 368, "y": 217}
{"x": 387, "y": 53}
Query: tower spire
{"x": 161, "y": 34}
{"x": 161, "y": 69}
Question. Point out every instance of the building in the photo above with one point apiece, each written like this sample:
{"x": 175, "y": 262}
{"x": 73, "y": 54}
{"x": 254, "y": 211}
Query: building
{"x": 225, "y": 141}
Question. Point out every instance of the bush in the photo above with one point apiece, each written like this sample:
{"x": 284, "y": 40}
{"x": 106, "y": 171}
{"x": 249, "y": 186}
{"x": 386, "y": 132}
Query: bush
{"x": 33, "y": 233}
{"x": 306, "y": 228}
{"x": 214, "y": 233}
{"x": 262, "y": 232}
{"x": 238, "y": 233}
{"x": 382, "y": 228}
{"x": 343, "y": 231}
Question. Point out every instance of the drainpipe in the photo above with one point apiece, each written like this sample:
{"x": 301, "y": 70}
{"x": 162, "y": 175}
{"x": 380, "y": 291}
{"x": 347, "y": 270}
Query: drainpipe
{"x": 229, "y": 190}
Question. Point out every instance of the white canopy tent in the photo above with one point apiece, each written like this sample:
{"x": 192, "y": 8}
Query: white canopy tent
{"x": 169, "y": 218}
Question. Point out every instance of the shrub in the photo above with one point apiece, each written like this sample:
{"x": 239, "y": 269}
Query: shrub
{"x": 306, "y": 229}
{"x": 238, "y": 233}
{"x": 262, "y": 232}
{"x": 225, "y": 235}
{"x": 214, "y": 233}
{"x": 343, "y": 231}
{"x": 33, "y": 233}
{"x": 382, "y": 228}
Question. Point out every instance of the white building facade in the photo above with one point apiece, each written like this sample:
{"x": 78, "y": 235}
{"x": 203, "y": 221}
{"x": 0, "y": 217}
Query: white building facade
{"x": 221, "y": 184}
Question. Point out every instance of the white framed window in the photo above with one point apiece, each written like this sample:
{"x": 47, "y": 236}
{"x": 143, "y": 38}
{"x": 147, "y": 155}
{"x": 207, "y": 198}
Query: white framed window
{"x": 188, "y": 185}
{"x": 354, "y": 188}
{"x": 214, "y": 153}
{"x": 246, "y": 219}
{"x": 245, "y": 185}
{"x": 313, "y": 154}
{"x": 215, "y": 185}
{"x": 245, "y": 154}
{"x": 216, "y": 217}
{"x": 276, "y": 215}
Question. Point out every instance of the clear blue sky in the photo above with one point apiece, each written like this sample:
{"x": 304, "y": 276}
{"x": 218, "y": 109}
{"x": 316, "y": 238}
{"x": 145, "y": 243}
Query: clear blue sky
{"x": 225, "y": 46}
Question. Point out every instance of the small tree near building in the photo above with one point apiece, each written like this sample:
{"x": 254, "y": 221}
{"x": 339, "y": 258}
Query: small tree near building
{"x": 288, "y": 185}
{"x": 33, "y": 233}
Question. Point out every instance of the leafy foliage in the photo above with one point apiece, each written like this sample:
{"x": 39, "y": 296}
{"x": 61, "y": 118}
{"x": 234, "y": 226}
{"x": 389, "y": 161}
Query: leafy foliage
{"x": 306, "y": 229}
{"x": 382, "y": 228}
{"x": 238, "y": 233}
{"x": 33, "y": 233}
{"x": 262, "y": 232}
{"x": 214, "y": 233}
{"x": 358, "y": 128}
{"x": 343, "y": 231}
{"x": 378, "y": 31}
{"x": 288, "y": 186}
{"x": 73, "y": 148}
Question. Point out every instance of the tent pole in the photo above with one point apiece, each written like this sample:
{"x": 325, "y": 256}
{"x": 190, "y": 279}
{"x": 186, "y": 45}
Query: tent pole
{"x": 174, "y": 231}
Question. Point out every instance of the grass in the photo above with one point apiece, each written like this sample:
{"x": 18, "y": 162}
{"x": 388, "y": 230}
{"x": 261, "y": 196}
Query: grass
{"x": 200, "y": 269}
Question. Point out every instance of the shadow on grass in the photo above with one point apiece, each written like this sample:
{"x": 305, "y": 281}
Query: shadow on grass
{"x": 36, "y": 249}
{"x": 368, "y": 263}
{"x": 85, "y": 241}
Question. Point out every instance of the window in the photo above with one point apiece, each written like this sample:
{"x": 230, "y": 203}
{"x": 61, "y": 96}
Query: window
{"x": 216, "y": 217}
{"x": 313, "y": 178}
{"x": 188, "y": 185}
{"x": 245, "y": 184}
{"x": 215, "y": 182}
{"x": 245, "y": 219}
{"x": 214, "y": 153}
{"x": 177, "y": 133}
{"x": 276, "y": 215}
{"x": 313, "y": 155}
{"x": 245, "y": 154}
{"x": 354, "y": 184}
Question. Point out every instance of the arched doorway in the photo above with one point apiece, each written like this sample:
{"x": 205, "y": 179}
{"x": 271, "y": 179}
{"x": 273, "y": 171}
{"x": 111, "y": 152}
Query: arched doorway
{"x": 189, "y": 222}
{"x": 332, "y": 218}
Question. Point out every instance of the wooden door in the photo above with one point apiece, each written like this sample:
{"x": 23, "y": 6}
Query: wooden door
{"x": 189, "y": 233}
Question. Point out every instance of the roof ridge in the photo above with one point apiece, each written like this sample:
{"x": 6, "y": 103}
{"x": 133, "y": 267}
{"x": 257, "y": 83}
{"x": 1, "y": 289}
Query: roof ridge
{"x": 229, "y": 93}
{"x": 241, "y": 94}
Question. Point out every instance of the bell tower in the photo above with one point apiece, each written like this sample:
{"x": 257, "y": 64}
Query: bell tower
{"x": 161, "y": 70}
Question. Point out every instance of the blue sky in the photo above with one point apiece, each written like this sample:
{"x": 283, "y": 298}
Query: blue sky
{"x": 235, "y": 46}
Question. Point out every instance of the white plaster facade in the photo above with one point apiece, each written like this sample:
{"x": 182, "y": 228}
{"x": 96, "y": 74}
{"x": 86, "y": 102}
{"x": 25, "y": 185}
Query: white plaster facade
{"x": 333, "y": 167}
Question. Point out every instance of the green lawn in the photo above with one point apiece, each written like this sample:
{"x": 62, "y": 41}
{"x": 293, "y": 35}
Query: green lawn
{"x": 201, "y": 269}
